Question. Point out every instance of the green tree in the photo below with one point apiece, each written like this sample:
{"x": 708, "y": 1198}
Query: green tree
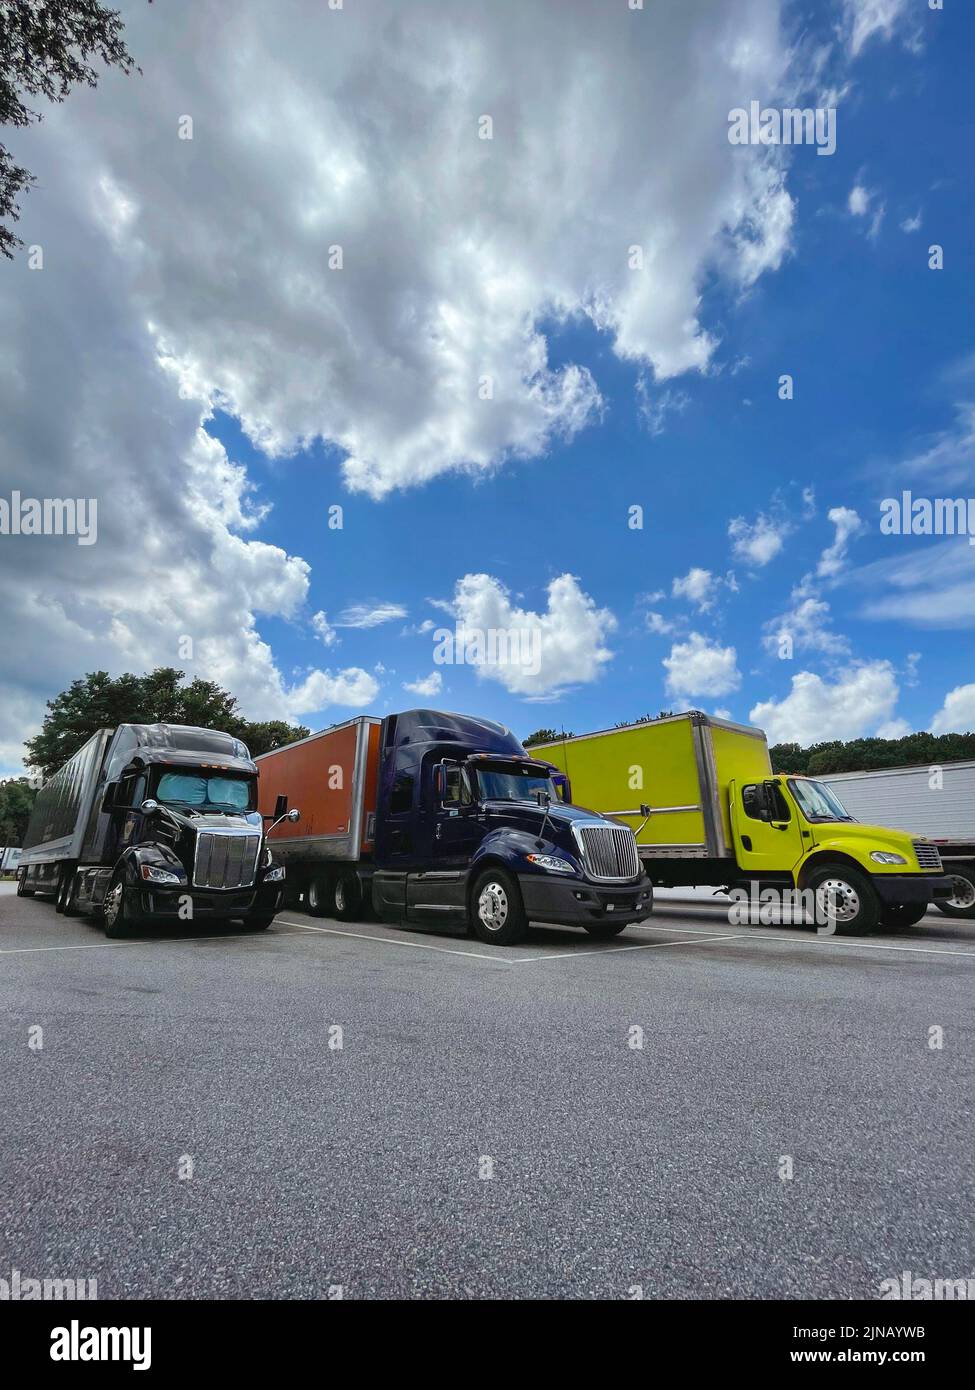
{"x": 919, "y": 749}
{"x": 16, "y": 799}
{"x": 544, "y": 736}
{"x": 100, "y": 701}
{"x": 45, "y": 48}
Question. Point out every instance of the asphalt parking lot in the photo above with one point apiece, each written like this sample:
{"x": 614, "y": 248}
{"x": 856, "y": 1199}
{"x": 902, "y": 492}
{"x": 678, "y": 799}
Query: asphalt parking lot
{"x": 487, "y": 1128}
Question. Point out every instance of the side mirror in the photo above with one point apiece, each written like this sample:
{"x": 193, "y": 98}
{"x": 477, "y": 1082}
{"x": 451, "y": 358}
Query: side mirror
{"x": 280, "y": 808}
{"x": 644, "y": 810}
{"x": 149, "y": 806}
{"x": 543, "y": 798}
{"x": 294, "y": 815}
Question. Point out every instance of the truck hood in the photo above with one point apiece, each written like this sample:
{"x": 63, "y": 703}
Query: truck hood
{"x": 559, "y": 814}
{"x": 868, "y": 837}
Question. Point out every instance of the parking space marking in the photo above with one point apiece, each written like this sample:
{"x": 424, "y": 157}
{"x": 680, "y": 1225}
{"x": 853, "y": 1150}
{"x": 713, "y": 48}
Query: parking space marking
{"x": 818, "y": 940}
{"x": 392, "y": 941}
{"x": 636, "y": 946}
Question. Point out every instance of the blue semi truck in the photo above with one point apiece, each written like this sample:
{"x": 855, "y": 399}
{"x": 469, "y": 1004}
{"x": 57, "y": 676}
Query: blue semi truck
{"x": 432, "y": 817}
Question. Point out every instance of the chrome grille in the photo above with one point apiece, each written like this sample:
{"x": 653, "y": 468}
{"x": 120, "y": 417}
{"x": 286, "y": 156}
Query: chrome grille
{"x": 927, "y": 855}
{"x": 608, "y": 851}
{"x": 225, "y": 861}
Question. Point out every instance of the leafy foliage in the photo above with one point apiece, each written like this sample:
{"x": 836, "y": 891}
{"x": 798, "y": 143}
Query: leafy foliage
{"x": 16, "y": 800}
{"x": 45, "y": 48}
{"x": 99, "y": 701}
{"x": 545, "y": 736}
{"x": 864, "y": 754}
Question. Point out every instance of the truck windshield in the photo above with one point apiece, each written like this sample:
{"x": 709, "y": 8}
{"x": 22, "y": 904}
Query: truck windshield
{"x": 197, "y": 789}
{"x": 817, "y": 802}
{"x": 507, "y": 783}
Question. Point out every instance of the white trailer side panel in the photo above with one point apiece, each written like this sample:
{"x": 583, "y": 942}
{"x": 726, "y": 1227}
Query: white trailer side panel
{"x": 904, "y": 798}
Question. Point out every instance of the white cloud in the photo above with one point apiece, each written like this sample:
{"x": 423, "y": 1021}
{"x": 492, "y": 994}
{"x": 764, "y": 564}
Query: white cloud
{"x": 759, "y": 541}
{"x": 566, "y": 642}
{"x": 320, "y": 689}
{"x": 370, "y": 614}
{"x": 360, "y": 131}
{"x": 656, "y": 622}
{"x": 859, "y": 200}
{"x": 698, "y": 666}
{"x": 848, "y": 525}
{"x": 426, "y": 687}
{"x": 933, "y": 586}
{"x": 323, "y": 629}
{"x": 912, "y": 224}
{"x": 859, "y": 701}
{"x": 957, "y": 714}
{"x": 865, "y": 18}
{"x": 949, "y": 455}
{"x": 698, "y": 586}
{"x": 807, "y": 625}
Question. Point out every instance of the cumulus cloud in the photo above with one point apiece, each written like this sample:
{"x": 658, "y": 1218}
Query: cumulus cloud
{"x": 388, "y": 290}
{"x": 759, "y": 541}
{"x": 427, "y": 686}
{"x": 859, "y": 700}
{"x": 536, "y": 653}
{"x": 323, "y": 629}
{"x": 806, "y": 626}
{"x": 957, "y": 714}
{"x": 848, "y": 525}
{"x": 698, "y": 666}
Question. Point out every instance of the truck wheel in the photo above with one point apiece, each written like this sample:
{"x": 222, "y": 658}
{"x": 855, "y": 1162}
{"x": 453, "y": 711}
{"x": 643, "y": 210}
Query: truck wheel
{"x": 22, "y": 890}
{"x": 962, "y": 900}
{"x": 318, "y": 898}
{"x": 604, "y": 931}
{"x": 68, "y": 904}
{"x": 64, "y": 883}
{"x": 116, "y": 919}
{"x": 846, "y": 897}
{"x": 895, "y": 916}
{"x": 497, "y": 913}
{"x": 347, "y": 897}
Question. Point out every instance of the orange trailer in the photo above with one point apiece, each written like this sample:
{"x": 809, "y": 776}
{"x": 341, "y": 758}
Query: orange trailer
{"x": 333, "y": 777}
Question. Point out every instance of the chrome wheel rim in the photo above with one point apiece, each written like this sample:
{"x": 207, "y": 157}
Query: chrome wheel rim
{"x": 837, "y": 900}
{"x": 963, "y": 892}
{"x": 113, "y": 904}
{"x": 340, "y": 896}
{"x": 492, "y": 906}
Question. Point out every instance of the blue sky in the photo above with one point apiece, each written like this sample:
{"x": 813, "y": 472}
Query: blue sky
{"x": 203, "y": 368}
{"x": 877, "y": 344}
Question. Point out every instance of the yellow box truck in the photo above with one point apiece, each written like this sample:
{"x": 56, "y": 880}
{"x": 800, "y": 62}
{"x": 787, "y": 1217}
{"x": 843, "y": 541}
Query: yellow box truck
{"x": 706, "y": 808}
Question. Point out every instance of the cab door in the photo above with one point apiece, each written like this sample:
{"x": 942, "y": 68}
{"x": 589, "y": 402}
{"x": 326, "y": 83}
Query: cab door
{"x": 767, "y": 833}
{"x": 437, "y": 890}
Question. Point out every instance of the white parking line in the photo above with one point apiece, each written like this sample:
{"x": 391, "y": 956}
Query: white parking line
{"x": 392, "y": 941}
{"x": 817, "y": 940}
{"x": 638, "y": 946}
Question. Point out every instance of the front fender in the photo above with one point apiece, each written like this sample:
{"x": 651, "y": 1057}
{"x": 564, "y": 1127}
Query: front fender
{"x": 159, "y": 856}
{"x": 511, "y": 848}
{"x": 858, "y": 850}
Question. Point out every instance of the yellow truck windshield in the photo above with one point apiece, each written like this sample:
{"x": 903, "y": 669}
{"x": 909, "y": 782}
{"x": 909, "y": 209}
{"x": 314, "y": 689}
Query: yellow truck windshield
{"x": 816, "y": 801}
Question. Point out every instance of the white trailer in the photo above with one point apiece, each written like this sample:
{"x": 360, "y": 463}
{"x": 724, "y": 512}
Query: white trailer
{"x": 937, "y": 801}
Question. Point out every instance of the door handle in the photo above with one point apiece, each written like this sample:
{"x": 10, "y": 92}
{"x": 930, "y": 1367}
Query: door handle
{"x": 436, "y": 833}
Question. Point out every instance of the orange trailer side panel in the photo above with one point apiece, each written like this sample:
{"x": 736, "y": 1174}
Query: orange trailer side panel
{"x": 318, "y": 776}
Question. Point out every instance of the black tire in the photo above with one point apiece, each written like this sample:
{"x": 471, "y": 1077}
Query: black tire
{"x": 69, "y": 905}
{"x": 22, "y": 890}
{"x": 894, "y": 917}
{"x": 117, "y": 921}
{"x": 496, "y": 898}
{"x": 65, "y": 876}
{"x": 318, "y": 897}
{"x": 258, "y": 921}
{"x": 347, "y": 897}
{"x": 963, "y": 904}
{"x": 855, "y": 905}
{"x": 604, "y": 931}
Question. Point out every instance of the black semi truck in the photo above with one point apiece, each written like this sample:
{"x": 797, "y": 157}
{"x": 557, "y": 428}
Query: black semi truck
{"x": 154, "y": 822}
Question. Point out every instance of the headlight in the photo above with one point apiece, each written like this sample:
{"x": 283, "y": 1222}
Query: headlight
{"x": 274, "y": 875}
{"x": 884, "y": 856}
{"x": 549, "y": 862}
{"x": 153, "y": 875}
